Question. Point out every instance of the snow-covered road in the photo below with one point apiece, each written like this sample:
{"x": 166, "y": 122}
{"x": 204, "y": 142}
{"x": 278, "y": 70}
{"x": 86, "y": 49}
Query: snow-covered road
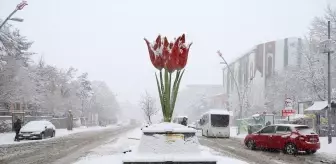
{"x": 111, "y": 151}
{"x": 234, "y": 147}
{"x": 63, "y": 149}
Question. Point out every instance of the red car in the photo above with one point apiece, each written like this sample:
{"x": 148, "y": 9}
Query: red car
{"x": 290, "y": 138}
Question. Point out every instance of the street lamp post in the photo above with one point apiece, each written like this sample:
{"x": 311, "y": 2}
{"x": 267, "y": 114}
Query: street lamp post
{"x": 329, "y": 88}
{"x": 328, "y": 48}
{"x": 20, "y": 6}
{"x": 236, "y": 84}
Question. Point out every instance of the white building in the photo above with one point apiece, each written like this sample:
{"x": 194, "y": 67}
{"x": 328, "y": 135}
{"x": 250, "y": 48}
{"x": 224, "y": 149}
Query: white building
{"x": 254, "y": 68}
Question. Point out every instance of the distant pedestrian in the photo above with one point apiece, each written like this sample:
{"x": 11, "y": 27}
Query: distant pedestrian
{"x": 184, "y": 121}
{"x": 69, "y": 120}
{"x": 17, "y": 128}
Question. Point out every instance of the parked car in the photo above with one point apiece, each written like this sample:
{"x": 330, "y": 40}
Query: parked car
{"x": 168, "y": 143}
{"x": 37, "y": 130}
{"x": 290, "y": 138}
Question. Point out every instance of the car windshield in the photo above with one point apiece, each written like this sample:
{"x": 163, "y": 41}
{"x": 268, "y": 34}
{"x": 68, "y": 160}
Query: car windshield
{"x": 162, "y": 143}
{"x": 218, "y": 120}
{"x": 305, "y": 130}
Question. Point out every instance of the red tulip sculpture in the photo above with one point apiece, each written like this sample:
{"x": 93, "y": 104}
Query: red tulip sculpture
{"x": 169, "y": 58}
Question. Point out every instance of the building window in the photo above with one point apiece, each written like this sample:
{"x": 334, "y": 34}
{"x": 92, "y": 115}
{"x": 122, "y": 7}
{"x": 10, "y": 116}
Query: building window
{"x": 269, "y": 65}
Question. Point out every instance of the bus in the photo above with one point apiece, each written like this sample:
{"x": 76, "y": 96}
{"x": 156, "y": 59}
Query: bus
{"x": 179, "y": 119}
{"x": 216, "y": 123}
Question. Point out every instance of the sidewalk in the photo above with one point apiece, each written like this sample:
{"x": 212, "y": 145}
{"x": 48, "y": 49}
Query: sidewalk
{"x": 8, "y": 138}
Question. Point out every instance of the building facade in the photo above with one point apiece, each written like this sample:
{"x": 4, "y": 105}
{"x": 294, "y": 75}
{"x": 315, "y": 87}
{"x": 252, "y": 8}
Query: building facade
{"x": 253, "y": 70}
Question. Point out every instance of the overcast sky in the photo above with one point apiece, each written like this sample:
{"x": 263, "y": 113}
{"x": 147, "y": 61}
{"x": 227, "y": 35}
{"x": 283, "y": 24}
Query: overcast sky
{"x": 105, "y": 37}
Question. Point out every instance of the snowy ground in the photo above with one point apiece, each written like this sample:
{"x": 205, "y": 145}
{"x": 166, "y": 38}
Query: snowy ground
{"x": 60, "y": 150}
{"x": 8, "y": 138}
{"x": 111, "y": 152}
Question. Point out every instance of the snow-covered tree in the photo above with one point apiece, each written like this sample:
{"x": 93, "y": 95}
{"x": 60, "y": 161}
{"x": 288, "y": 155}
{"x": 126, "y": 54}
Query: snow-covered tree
{"x": 12, "y": 43}
{"x": 85, "y": 91}
{"x": 285, "y": 84}
{"x": 104, "y": 101}
{"x": 148, "y": 106}
{"x": 308, "y": 80}
{"x": 46, "y": 89}
{"x": 314, "y": 68}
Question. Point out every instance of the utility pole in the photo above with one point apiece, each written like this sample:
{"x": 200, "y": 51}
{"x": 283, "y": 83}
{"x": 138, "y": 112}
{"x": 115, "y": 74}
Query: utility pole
{"x": 223, "y": 69}
{"x": 329, "y": 89}
{"x": 236, "y": 84}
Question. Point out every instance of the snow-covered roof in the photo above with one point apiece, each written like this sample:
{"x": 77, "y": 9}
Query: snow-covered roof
{"x": 256, "y": 115}
{"x": 219, "y": 111}
{"x": 168, "y": 127}
{"x": 297, "y": 116}
{"x": 181, "y": 116}
{"x": 318, "y": 106}
{"x": 151, "y": 157}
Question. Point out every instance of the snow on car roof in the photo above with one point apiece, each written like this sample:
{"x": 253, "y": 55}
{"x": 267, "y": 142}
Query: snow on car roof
{"x": 151, "y": 157}
{"x": 168, "y": 127}
{"x": 38, "y": 122}
{"x": 291, "y": 125}
{"x": 218, "y": 111}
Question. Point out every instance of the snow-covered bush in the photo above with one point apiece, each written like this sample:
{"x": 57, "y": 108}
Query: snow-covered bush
{"x": 5, "y": 126}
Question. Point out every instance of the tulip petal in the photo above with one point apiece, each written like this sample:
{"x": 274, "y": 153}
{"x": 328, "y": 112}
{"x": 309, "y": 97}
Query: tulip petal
{"x": 150, "y": 51}
{"x": 157, "y": 43}
{"x": 183, "y": 38}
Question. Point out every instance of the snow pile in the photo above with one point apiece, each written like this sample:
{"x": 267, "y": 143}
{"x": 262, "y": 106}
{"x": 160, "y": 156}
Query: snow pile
{"x": 168, "y": 127}
{"x": 233, "y": 133}
{"x": 206, "y": 151}
{"x": 327, "y": 149}
{"x": 112, "y": 152}
{"x": 161, "y": 144}
{"x": 119, "y": 145}
{"x": 158, "y": 145}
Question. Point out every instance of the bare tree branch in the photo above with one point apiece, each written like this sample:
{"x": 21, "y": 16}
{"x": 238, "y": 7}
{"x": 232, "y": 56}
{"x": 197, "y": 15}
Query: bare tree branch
{"x": 147, "y": 104}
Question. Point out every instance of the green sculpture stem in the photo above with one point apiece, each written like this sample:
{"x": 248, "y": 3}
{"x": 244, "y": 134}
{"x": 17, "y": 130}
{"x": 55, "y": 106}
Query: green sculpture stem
{"x": 168, "y": 92}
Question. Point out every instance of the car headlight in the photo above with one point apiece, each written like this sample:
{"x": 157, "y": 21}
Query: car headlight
{"x": 36, "y": 133}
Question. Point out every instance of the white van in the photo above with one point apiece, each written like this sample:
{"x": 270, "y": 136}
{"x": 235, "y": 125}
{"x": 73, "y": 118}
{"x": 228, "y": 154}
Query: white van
{"x": 216, "y": 123}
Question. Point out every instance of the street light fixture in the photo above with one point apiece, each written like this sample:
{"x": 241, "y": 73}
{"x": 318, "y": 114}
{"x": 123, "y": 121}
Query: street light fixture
{"x": 17, "y": 19}
{"x": 20, "y": 6}
{"x": 236, "y": 84}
